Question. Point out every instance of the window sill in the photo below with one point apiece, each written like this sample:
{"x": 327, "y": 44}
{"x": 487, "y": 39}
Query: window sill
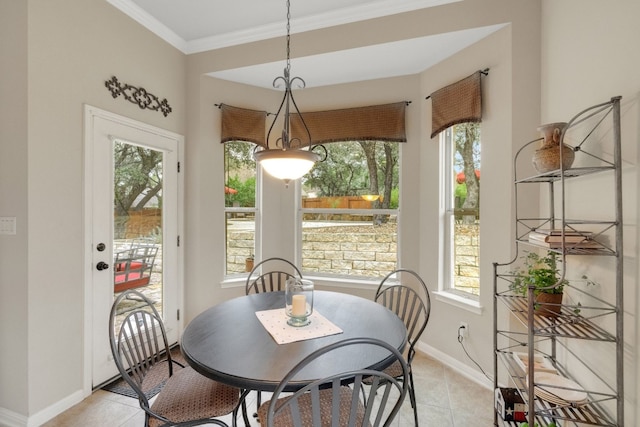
{"x": 238, "y": 281}
{"x": 234, "y": 282}
{"x": 343, "y": 282}
{"x": 459, "y": 301}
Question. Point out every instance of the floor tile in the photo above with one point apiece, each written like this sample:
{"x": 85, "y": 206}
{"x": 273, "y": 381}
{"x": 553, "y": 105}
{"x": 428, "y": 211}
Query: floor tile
{"x": 444, "y": 398}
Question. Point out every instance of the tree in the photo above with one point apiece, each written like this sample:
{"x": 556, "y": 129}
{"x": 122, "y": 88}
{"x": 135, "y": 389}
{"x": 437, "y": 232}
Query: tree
{"x": 245, "y": 195}
{"x": 467, "y": 144}
{"x": 341, "y": 174}
{"x": 239, "y": 155}
{"x": 137, "y": 177}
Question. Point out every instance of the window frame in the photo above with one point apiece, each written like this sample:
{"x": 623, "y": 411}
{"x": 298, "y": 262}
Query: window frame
{"x": 255, "y": 210}
{"x": 300, "y": 213}
{"x": 447, "y": 223}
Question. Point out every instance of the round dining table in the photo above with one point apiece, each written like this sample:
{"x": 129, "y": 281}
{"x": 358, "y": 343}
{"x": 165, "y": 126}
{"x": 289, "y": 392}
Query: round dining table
{"x": 229, "y": 344}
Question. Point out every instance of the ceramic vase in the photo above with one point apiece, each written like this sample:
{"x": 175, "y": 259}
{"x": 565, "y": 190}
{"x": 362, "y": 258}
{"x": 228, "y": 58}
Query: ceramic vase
{"x": 547, "y": 157}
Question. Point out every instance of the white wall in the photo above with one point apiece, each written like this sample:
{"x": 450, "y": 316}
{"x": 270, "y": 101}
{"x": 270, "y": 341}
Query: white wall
{"x": 590, "y": 54}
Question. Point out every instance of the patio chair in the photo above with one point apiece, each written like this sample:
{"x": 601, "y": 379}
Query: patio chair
{"x": 270, "y": 275}
{"x": 133, "y": 267}
{"x": 140, "y": 349}
{"x": 397, "y": 294}
{"x": 335, "y": 401}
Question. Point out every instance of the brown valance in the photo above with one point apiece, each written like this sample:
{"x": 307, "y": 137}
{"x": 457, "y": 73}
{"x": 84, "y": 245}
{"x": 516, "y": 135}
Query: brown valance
{"x": 460, "y": 102}
{"x": 241, "y": 124}
{"x": 373, "y": 123}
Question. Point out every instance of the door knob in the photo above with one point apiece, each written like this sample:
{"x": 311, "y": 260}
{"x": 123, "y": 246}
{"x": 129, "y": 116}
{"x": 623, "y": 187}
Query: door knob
{"x": 102, "y": 266}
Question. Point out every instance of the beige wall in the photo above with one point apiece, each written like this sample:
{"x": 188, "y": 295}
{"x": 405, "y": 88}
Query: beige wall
{"x": 511, "y": 108}
{"x": 64, "y": 52}
{"x": 590, "y": 54}
{"x": 495, "y": 52}
{"x": 13, "y": 203}
{"x": 75, "y": 45}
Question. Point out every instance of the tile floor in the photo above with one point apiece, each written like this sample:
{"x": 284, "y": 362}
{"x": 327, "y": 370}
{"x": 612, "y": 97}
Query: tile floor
{"x": 445, "y": 399}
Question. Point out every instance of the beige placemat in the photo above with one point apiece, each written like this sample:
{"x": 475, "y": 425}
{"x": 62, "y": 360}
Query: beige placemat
{"x": 275, "y": 322}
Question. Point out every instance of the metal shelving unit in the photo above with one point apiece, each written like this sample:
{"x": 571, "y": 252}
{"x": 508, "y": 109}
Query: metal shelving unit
{"x": 594, "y": 135}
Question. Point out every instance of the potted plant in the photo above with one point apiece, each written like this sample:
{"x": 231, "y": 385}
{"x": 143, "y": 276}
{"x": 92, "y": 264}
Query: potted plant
{"x": 541, "y": 272}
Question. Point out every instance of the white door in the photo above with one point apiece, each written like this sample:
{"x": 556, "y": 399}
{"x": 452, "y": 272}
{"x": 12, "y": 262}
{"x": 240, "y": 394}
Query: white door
{"x": 133, "y": 212}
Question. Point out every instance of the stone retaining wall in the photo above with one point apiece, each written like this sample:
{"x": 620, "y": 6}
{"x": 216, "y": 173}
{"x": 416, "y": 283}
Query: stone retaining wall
{"x": 368, "y": 252}
{"x": 467, "y": 257}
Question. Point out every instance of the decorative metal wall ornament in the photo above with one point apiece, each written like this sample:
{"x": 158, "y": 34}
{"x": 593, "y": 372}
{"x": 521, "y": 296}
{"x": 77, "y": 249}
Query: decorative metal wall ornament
{"x": 137, "y": 95}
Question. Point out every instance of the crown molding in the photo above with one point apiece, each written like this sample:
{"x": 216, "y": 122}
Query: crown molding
{"x": 341, "y": 16}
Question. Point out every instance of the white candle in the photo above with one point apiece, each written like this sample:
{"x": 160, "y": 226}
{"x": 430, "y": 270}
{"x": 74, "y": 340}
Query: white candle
{"x": 298, "y": 305}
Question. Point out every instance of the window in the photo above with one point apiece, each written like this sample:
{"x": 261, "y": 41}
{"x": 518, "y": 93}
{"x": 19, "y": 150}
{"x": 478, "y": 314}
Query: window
{"x": 348, "y": 218}
{"x": 461, "y": 189}
{"x": 239, "y": 205}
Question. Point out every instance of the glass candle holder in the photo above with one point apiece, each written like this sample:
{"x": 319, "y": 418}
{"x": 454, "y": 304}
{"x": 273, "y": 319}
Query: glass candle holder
{"x": 298, "y": 301}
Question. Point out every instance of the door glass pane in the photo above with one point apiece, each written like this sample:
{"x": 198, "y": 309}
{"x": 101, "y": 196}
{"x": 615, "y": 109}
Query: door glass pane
{"x": 137, "y": 233}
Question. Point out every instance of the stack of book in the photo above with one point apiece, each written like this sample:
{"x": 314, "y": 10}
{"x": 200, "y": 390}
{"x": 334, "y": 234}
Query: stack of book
{"x": 553, "y": 238}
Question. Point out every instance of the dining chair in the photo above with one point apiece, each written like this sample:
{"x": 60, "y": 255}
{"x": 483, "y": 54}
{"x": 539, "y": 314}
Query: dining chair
{"x": 141, "y": 351}
{"x": 400, "y": 292}
{"x": 340, "y": 399}
{"x": 270, "y": 275}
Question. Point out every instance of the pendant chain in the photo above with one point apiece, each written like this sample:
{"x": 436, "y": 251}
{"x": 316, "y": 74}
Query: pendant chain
{"x": 288, "y": 34}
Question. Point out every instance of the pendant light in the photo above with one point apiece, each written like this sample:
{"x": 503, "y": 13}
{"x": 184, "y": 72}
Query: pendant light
{"x": 285, "y": 161}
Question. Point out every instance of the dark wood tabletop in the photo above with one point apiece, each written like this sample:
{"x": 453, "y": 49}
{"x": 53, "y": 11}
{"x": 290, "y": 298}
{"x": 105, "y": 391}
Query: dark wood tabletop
{"x": 228, "y": 343}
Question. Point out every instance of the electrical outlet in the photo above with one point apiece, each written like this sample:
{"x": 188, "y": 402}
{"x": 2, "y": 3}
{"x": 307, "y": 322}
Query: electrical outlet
{"x": 463, "y": 330}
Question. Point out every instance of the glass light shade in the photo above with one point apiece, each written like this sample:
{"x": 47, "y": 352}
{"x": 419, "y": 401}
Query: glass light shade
{"x": 298, "y": 296}
{"x": 286, "y": 164}
{"x": 370, "y": 197}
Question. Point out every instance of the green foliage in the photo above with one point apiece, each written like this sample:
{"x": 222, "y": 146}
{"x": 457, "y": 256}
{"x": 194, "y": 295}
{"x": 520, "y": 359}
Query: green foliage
{"x": 239, "y": 155}
{"x": 341, "y": 174}
{"x": 395, "y": 199}
{"x": 246, "y": 192}
{"x": 137, "y": 177}
{"x": 466, "y": 138}
{"x": 345, "y": 171}
{"x": 538, "y": 271}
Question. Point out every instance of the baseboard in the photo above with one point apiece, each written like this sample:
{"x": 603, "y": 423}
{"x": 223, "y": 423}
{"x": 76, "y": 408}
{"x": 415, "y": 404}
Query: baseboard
{"x": 12, "y": 419}
{"x": 456, "y": 365}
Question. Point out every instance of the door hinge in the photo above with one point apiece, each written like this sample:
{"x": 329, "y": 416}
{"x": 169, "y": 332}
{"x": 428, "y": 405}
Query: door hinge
{"x": 178, "y": 241}
{"x": 178, "y": 315}
{"x": 178, "y": 167}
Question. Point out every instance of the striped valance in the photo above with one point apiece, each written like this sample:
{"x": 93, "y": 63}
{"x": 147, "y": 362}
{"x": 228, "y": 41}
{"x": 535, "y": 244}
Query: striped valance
{"x": 241, "y": 124}
{"x": 460, "y": 102}
{"x": 373, "y": 123}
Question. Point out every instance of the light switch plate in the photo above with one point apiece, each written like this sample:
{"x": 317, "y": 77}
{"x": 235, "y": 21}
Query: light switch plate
{"x": 7, "y": 225}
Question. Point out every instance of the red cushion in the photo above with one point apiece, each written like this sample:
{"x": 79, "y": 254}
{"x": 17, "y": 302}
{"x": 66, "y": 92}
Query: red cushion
{"x": 123, "y": 286}
{"x": 127, "y": 277}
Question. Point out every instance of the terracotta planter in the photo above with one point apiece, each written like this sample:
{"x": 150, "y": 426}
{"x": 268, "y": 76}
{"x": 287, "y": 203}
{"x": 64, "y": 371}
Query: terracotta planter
{"x": 548, "y": 305}
{"x": 248, "y": 264}
{"x": 547, "y": 157}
